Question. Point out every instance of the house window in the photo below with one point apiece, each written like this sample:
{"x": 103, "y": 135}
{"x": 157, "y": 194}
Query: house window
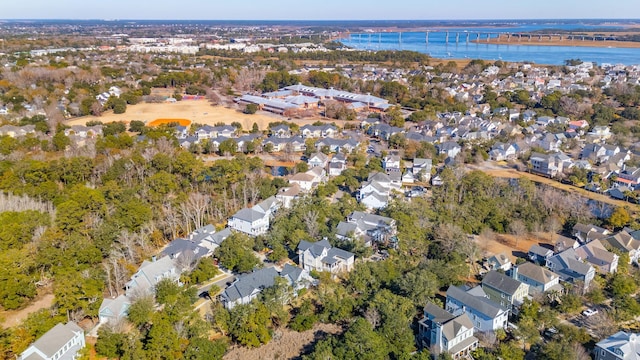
{"x": 502, "y": 296}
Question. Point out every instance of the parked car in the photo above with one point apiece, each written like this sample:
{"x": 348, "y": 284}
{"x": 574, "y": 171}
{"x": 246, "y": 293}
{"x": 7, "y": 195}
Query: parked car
{"x": 589, "y": 312}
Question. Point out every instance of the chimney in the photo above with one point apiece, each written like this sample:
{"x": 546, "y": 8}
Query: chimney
{"x": 153, "y": 258}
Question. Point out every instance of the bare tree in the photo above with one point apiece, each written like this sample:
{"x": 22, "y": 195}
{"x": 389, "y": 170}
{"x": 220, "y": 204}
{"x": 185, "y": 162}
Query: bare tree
{"x": 310, "y": 219}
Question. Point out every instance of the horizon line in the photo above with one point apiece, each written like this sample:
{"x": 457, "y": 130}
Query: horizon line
{"x": 382, "y": 20}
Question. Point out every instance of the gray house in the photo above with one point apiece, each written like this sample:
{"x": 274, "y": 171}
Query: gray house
{"x": 538, "y": 278}
{"x": 63, "y": 342}
{"x": 504, "y": 290}
{"x": 247, "y": 287}
{"x": 484, "y": 313}
{"x": 619, "y": 346}
{"x": 570, "y": 267}
{"x": 539, "y": 254}
{"x": 441, "y": 331}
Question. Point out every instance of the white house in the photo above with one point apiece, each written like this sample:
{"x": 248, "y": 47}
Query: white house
{"x": 318, "y": 160}
{"x": 250, "y": 222}
{"x": 149, "y": 274}
{"x": 321, "y": 256}
{"x": 63, "y": 342}
{"x": 484, "y": 313}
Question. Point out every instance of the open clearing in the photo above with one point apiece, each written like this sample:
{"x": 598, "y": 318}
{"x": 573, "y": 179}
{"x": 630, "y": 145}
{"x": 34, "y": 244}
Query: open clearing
{"x": 12, "y": 318}
{"x": 513, "y": 246}
{"x": 198, "y": 111}
{"x": 286, "y": 344}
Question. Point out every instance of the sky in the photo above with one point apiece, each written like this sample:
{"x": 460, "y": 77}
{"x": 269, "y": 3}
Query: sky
{"x": 320, "y": 10}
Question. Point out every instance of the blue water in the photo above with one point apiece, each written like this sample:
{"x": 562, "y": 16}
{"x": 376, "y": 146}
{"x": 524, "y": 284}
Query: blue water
{"x": 437, "y": 46}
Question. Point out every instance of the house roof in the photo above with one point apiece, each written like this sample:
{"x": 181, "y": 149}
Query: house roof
{"x": 627, "y": 344}
{"x": 246, "y": 284}
{"x": 623, "y": 241}
{"x": 455, "y": 326}
{"x": 53, "y": 340}
{"x": 478, "y": 303}
{"x": 500, "y": 259}
{"x": 569, "y": 260}
{"x": 249, "y": 215}
{"x": 436, "y": 313}
{"x": 539, "y": 250}
{"x": 114, "y": 307}
{"x": 501, "y": 282}
{"x": 536, "y": 273}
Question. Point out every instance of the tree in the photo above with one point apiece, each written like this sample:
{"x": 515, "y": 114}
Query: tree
{"x": 139, "y": 313}
{"x": 250, "y": 109}
{"x": 250, "y": 324}
{"x": 236, "y": 254}
{"x": 60, "y": 141}
{"x": 228, "y": 147}
{"x": 205, "y": 349}
{"x": 619, "y": 218}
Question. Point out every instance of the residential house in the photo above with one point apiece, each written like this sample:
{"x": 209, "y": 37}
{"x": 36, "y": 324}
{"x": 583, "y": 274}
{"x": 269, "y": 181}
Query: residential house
{"x": 449, "y": 148}
{"x": 422, "y": 168}
{"x": 247, "y": 287}
{"x": 62, "y": 342}
{"x": 372, "y": 228}
{"x": 538, "y": 278}
{"x": 208, "y": 238}
{"x": 539, "y": 254}
{"x": 625, "y": 243}
{"x": 629, "y": 176}
{"x": 391, "y": 163}
{"x": 185, "y": 252}
{"x": 318, "y": 160}
{"x": 571, "y": 268}
{"x": 255, "y": 221}
{"x": 310, "y": 179}
{"x": 114, "y": 310}
{"x": 485, "y": 314}
{"x": 250, "y": 221}
{"x": 503, "y": 290}
{"x": 549, "y": 165}
{"x": 336, "y": 145}
{"x": 501, "y": 152}
{"x": 281, "y": 132}
{"x": 149, "y": 274}
{"x": 563, "y": 243}
{"x": 312, "y": 131}
{"x": 297, "y": 277}
{"x": 619, "y": 346}
{"x": 498, "y": 262}
{"x": 337, "y": 164}
{"x": 84, "y": 131}
{"x": 586, "y": 233}
{"x": 597, "y": 255}
{"x": 287, "y": 195}
{"x": 321, "y": 256}
{"x": 441, "y": 332}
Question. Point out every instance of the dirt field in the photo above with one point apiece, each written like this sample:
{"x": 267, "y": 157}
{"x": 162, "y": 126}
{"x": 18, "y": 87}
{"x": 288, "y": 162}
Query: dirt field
{"x": 288, "y": 345}
{"x": 15, "y": 317}
{"x": 198, "y": 111}
{"x": 514, "y": 246}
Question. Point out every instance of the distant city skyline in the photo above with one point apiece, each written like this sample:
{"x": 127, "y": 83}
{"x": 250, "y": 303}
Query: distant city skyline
{"x": 323, "y": 10}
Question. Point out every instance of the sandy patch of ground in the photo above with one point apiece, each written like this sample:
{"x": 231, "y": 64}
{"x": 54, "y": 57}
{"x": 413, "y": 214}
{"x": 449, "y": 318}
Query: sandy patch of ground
{"x": 286, "y": 344}
{"x": 198, "y": 111}
{"x": 12, "y": 318}
{"x": 513, "y": 246}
